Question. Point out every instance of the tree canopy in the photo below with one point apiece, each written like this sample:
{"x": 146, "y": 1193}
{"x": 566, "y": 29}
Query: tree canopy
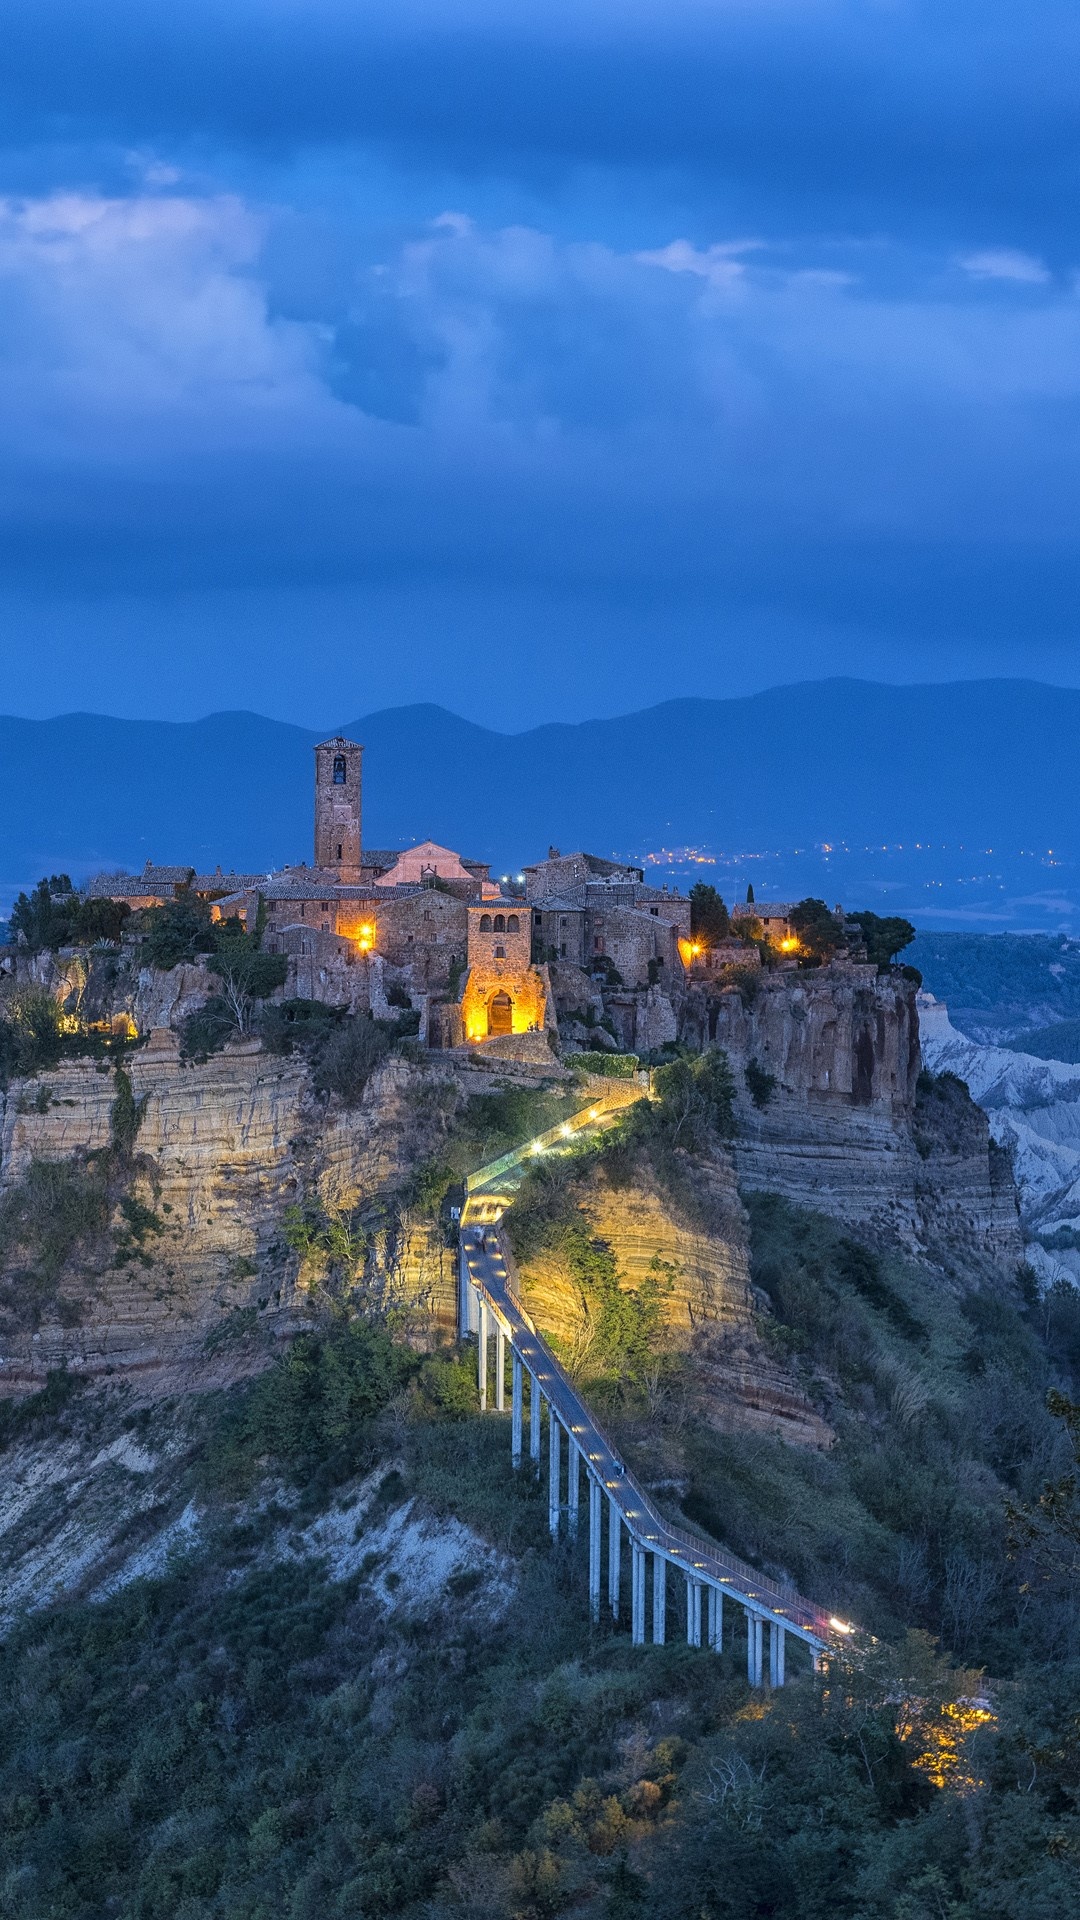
{"x": 710, "y": 921}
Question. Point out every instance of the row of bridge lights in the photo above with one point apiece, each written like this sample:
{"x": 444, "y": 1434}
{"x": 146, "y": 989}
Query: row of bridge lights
{"x": 837, "y": 1625}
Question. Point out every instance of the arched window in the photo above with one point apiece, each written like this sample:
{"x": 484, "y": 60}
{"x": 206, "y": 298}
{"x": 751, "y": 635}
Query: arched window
{"x": 339, "y": 769}
{"x": 511, "y": 923}
{"x": 499, "y": 923}
{"x": 485, "y": 923}
{"x": 500, "y": 953}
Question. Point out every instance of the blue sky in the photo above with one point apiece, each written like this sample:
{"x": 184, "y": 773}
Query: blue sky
{"x": 542, "y": 360}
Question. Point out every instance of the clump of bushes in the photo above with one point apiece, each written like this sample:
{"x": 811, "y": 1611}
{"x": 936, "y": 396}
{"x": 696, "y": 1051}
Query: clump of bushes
{"x": 617, "y": 1066}
{"x": 55, "y": 916}
{"x": 61, "y": 1208}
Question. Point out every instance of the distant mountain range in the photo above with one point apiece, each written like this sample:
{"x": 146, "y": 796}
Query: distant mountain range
{"x": 958, "y": 804}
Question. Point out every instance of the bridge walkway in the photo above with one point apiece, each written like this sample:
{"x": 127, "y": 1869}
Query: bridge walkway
{"x": 490, "y": 1303}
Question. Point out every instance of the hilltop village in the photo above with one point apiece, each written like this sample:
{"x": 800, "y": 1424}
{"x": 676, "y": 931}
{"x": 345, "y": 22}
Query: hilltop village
{"x": 577, "y": 951}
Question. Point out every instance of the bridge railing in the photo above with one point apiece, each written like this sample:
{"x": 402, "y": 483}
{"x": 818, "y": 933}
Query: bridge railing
{"x": 782, "y": 1595}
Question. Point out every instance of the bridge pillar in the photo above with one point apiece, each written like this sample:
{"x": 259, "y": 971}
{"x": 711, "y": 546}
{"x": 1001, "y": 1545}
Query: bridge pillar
{"x": 754, "y": 1636}
{"x": 659, "y": 1599}
{"x": 594, "y": 1547}
{"x": 613, "y": 1570}
{"x": 716, "y": 1619}
{"x": 637, "y": 1589}
{"x": 554, "y": 1470}
{"x": 693, "y": 1611}
{"x": 515, "y": 1408}
{"x": 573, "y": 1484}
{"x": 482, "y": 1357}
{"x": 777, "y": 1647}
{"x": 536, "y": 1401}
{"x": 500, "y": 1368}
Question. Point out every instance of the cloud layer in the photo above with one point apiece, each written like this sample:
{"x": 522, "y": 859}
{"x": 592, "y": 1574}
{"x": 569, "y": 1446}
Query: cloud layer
{"x": 568, "y": 366}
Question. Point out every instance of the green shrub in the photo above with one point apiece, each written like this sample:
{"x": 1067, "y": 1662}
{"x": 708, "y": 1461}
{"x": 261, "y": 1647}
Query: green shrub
{"x": 617, "y": 1066}
{"x": 311, "y": 1413}
{"x": 760, "y": 1085}
{"x": 348, "y": 1056}
{"x": 176, "y": 932}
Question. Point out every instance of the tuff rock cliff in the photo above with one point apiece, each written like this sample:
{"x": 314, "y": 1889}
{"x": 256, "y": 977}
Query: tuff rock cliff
{"x": 835, "y": 1112}
{"x": 189, "y": 1240}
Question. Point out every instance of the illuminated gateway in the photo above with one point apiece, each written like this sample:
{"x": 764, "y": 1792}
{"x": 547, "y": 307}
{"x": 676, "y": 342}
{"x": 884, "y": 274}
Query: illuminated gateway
{"x": 426, "y": 928}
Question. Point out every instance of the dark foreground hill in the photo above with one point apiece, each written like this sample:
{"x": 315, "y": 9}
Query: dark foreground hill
{"x": 958, "y": 803}
{"x": 356, "y": 1679}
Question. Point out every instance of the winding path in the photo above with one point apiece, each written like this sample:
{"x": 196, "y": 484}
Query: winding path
{"x": 490, "y": 1303}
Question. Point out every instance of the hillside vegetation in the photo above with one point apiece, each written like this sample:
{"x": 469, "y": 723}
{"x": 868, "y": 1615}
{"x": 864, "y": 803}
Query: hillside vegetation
{"x": 266, "y": 1724}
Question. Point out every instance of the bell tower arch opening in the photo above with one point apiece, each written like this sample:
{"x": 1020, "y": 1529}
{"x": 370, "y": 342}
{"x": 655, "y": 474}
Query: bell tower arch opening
{"x": 338, "y": 784}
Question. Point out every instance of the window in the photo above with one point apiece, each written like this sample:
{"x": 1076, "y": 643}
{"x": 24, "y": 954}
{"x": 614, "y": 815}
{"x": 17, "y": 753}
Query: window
{"x": 339, "y": 850}
{"x": 500, "y": 953}
{"x": 303, "y": 909}
{"x": 511, "y": 923}
{"x": 655, "y": 911}
{"x": 598, "y": 944}
{"x": 538, "y": 919}
{"x": 339, "y": 773}
{"x": 499, "y": 923}
{"x": 562, "y": 951}
{"x": 485, "y": 923}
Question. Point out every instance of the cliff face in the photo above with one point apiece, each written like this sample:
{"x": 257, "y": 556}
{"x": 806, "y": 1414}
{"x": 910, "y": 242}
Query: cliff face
{"x": 703, "y": 1270}
{"x": 841, "y": 1128}
{"x": 223, "y": 1149}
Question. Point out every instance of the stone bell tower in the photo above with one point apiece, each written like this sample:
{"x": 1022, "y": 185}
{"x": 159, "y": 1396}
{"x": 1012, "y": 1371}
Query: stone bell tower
{"x": 337, "y": 808}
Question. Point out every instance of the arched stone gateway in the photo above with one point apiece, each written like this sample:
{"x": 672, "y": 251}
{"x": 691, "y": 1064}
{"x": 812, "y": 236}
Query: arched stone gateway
{"x": 500, "y": 1013}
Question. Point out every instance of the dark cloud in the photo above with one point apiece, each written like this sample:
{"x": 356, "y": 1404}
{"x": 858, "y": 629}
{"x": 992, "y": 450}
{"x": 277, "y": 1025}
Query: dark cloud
{"x": 677, "y": 323}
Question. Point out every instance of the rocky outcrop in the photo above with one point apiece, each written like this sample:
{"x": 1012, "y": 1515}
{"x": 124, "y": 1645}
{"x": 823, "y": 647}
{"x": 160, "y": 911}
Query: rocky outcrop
{"x": 827, "y": 1070}
{"x": 1033, "y": 1111}
{"x": 224, "y": 1148}
{"x": 701, "y": 1265}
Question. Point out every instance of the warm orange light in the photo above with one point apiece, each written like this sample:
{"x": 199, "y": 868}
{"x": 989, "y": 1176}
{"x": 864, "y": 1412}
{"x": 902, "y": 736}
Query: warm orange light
{"x": 788, "y": 945}
{"x": 366, "y": 937}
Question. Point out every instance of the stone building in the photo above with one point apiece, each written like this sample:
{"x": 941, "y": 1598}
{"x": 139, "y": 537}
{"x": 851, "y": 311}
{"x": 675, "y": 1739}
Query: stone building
{"x": 428, "y": 864}
{"x": 567, "y": 873}
{"x": 774, "y": 915}
{"x": 504, "y": 992}
{"x": 596, "y": 914}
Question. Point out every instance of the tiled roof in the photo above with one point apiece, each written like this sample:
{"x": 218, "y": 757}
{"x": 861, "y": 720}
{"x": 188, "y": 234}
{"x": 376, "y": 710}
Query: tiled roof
{"x": 763, "y": 909}
{"x": 225, "y": 882}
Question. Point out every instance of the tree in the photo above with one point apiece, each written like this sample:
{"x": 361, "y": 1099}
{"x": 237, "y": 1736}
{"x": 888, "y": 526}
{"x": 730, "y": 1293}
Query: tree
{"x": 246, "y": 974}
{"x": 43, "y": 918}
{"x": 884, "y": 936}
{"x": 820, "y": 934}
{"x": 1051, "y": 1528}
{"x": 750, "y": 894}
{"x": 176, "y": 931}
{"x": 709, "y": 918}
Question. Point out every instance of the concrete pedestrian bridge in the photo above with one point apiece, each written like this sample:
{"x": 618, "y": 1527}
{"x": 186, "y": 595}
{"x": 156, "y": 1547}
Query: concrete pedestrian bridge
{"x": 720, "y": 1595}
